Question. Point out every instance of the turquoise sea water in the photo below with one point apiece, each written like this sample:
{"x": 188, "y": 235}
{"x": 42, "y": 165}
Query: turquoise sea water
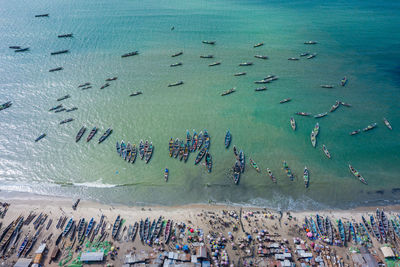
{"x": 357, "y": 39}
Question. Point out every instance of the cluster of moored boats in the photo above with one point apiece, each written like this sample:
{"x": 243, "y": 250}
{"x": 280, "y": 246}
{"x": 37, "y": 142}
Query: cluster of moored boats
{"x": 129, "y": 152}
{"x": 378, "y": 226}
{"x": 92, "y": 133}
{"x": 199, "y": 141}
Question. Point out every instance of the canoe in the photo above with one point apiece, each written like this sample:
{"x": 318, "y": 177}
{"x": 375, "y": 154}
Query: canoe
{"x": 208, "y": 162}
{"x": 84, "y": 85}
{"x": 293, "y": 59}
{"x": 149, "y": 153}
{"x": 258, "y": 45}
{"x": 80, "y": 134}
{"x": 303, "y": 113}
{"x": 122, "y": 151}
{"x": 343, "y": 81}
{"x": 271, "y": 175}
{"x": 167, "y": 231}
{"x": 177, "y": 54}
{"x": 105, "y": 135}
{"x": 14, "y": 47}
{"x": 320, "y": 115}
{"x": 235, "y": 151}
{"x": 116, "y": 226}
{"x": 118, "y": 147}
{"x": 208, "y": 42}
{"x": 285, "y": 100}
{"x": 21, "y": 49}
{"x": 65, "y": 35}
{"x": 60, "y": 110}
{"x": 370, "y": 127}
{"x": 304, "y": 54}
{"x": 312, "y": 56}
{"x": 56, "y": 69}
{"x": 133, "y": 153}
{"x": 186, "y": 153}
{"x": 261, "y": 57}
{"x": 243, "y": 64}
{"x": 134, "y": 231}
{"x": 41, "y": 15}
{"x": 59, "y": 52}
{"x": 241, "y": 160}
{"x": 328, "y": 155}
{"x": 68, "y": 227}
{"x": 239, "y": 74}
{"x": 335, "y": 106}
{"x": 355, "y": 132}
{"x": 175, "y": 84}
{"x": 328, "y": 86}
{"x": 306, "y": 177}
{"x": 188, "y": 138}
{"x": 387, "y": 123}
{"x": 40, "y": 137}
{"x": 176, "y": 148}
{"x": 357, "y": 174}
{"x": 310, "y": 42}
{"x": 236, "y": 172}
{"x": 194, "y": 142}
{"x": 176, "y": 64}
{"x": 136, "y": 93}
{"x": 228, "y": 138}
{"x": 200, "y": 155}
{"x": 53, "y": 108}
{"x": 254, "y": 165}
{"x": 89, "y": 228}
{"x": 207, "y": 56}
{"x": 66, "y": 121}
{"x": 345, "y": 104}
{"x": 104, "y": 86}
{"x": 63, "y": 97}
{"x": 141, "y": 149}
{"x": 134, "y": 53}
{"x": 259, "y": 89}
{"x": 206, "y": 139}
{"x": 71, "y": 109}
{"x": 293, "y": 124}
{"x": 214, "y": 64}
{"x": 200, "y": 140}
{"x": 166, "y": 173}
{"x": 288, "y": 171}
{"x": 181, "y": 150}
{"x": 316, "y": 129}
{"x": 230, "y": 91}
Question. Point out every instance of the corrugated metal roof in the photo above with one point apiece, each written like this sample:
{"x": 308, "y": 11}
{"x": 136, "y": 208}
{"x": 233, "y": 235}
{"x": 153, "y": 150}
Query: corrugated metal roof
{"x": 23, "y": 262}
{"x": 92, "y": 256}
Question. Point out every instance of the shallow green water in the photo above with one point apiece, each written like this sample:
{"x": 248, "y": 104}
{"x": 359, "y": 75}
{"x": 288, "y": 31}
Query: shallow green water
{"x": 356, "y": 39}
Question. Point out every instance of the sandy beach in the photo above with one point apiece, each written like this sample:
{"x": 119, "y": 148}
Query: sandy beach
{"x": 235, "y": 224}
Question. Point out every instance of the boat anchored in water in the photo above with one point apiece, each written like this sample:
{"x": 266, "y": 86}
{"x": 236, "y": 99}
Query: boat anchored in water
{"x": 387, "y": 123}
{"x": 230, "y": 91}
{"x": 357, "y": 174}
{"x": 175, "y": 84}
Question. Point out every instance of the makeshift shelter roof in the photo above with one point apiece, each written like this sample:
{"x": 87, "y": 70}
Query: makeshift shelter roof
{"x": 387, "y": 252}
{"x": 41, "y": 248}
{"x": 92, "y": 256}
{"x": 23, "y": 262}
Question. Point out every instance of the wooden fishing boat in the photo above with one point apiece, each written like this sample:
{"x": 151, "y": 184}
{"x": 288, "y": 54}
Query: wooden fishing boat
{"x": 303, "y": 114}
{"x": 208, "y": 162}
{"x": 14, "y": 47}
{"x": 235, "y": 152}
{"x": 236, "y": 172}
{"x": 328, "y": 155}
{"x": 345, "y": 104}
{"x": 387, "y": 123}
{"x": 285, "y": 100}
{"x": 328, "y": 86}
{"x": 200, "y": 155}
{"x": 171, "y": 147}
{"x": 63, "y": 97}
{"x": 357, "y": 174}
{"x": 230, "y": 91}
{"x": 105, "y": 135}
{"x": 293, "y": 123}
{"x": 141, "y": 149}
{"x": 84, "y": 85}
{"x": 335, "y": 106}
{"x": 316, "y": 129}
{"x": 66, "y": 121}
{"x": 375, "y": 228}
{"x": 23, "y": 246}
{"x": 128, "y": 154}
{"x": 166, "y": 173}
{"x": 167, "y": 231}
{"x": 60, "y": 110}
{"x": 355, "y": 132}
{"x": 261, "y": 57}
{"x": 65, "y": 35}
{"x": 118, "y": 147}
{"x": 177, "y": 54}
{"x": 200, "y": 140}
{"x": 122, "y": 151}
{"x": 254, "y": 165}
{"x": 208, "y": 42}
{"x": 42, "y": 15}
{"x": 310, "y": 42}
{"x": 186, "y": 153}
{"x": 40, "y": 137}
{"x": 68, "y": 227}
{"x": 193, "y": 147}
{"x": 149, "y": 153}
{"x": 271, "y": 175}
{"x": 136, "y": 93}
{"x": 134, "y": 53}
{"x": 116, "y": 227}
{"x": 259, "y": 89}
{"x": 262, "y": 81}
{"x": 293, "y": 59}
{"x": 304, "y": 54}
{"x": 214, "y": 64}
{"x": 206, "y": 139}
{"x": 313, "y": 139}
{"x": 176, "y": 148}
{"x": 343, "y": 81}
{"x": 181, "y": 150}
{"x": 56, "y": 69}
{"x": 111, "y": 79}
{"x": 342, "y": 232}
{"x": 134, "y": 231}
{"x": 104, "y": 86}
{"x": 80, "y": 134}
{"x": 243, "y": 64}
{"x": 288, "y": 171}
{"x": 81, "y": 228}
{"x": 71, "y": 109}
{"x": 241, "y": 160}
{"x": 89, "y": 228}
{"x": 370, "y": 127}
{"x": 306, "y": 177}
{"x": 53, "y": 108}
{"x": 320, "y": 115}
{"x": 175, "y": 84}
{"x": 385, "y": 222}
{"x": 92, "y": 134}
{"x": 239, "y": 74}
{"x": 59, "y": 52}
{"x": 228, "y": 138}
{"x": 258, "y": 45}
{"x": 207, "y": 56}
{"x": 176, "y": 64}
{"x": 310, "y": 56}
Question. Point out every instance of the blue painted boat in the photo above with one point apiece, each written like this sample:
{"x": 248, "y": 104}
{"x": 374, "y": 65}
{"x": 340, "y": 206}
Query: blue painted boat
{"x": 228, "y": 139}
